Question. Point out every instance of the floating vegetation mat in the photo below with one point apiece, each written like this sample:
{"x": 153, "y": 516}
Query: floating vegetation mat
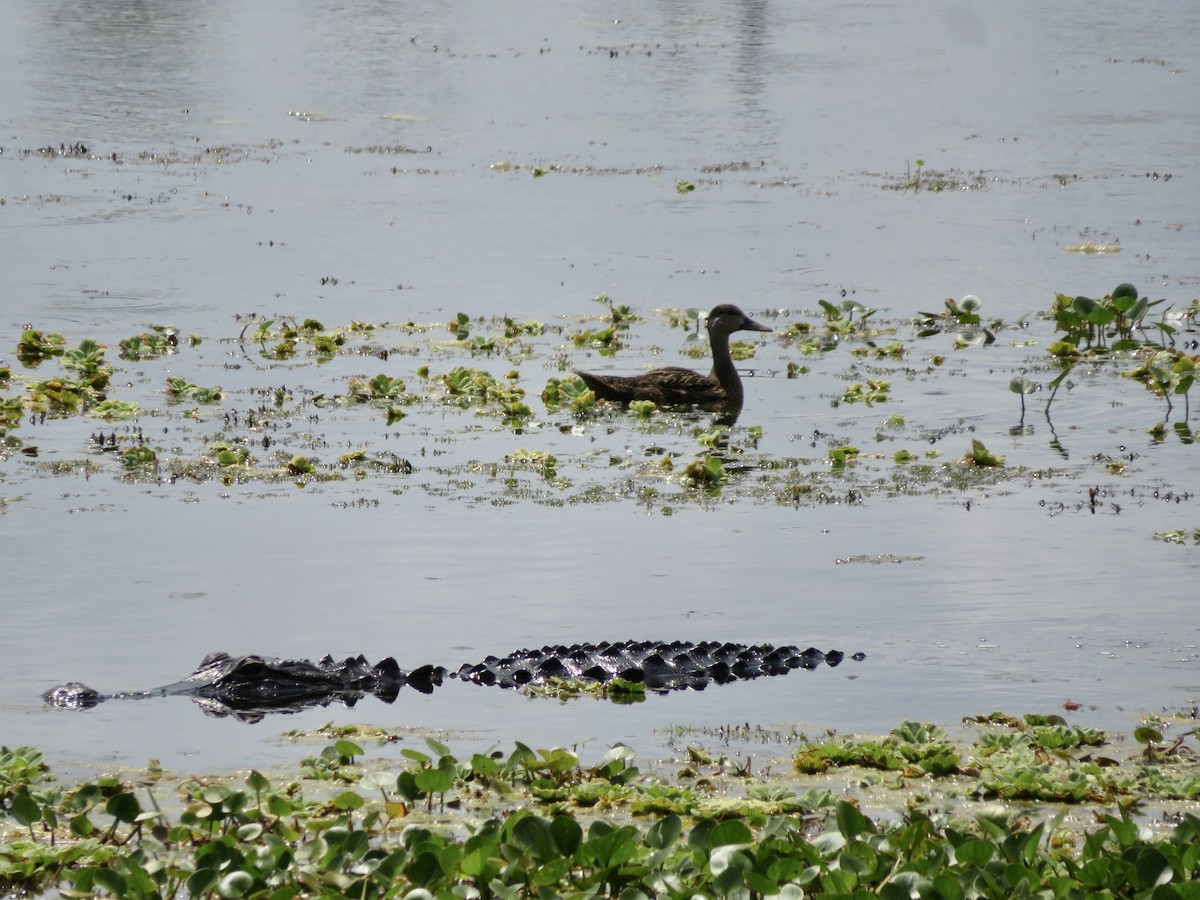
{"x": 486, "y": 410}
{"x": 1030, "y": 806}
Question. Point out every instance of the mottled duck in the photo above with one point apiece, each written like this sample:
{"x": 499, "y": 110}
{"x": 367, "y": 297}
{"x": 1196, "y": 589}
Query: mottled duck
{"x": 721, "y": 389}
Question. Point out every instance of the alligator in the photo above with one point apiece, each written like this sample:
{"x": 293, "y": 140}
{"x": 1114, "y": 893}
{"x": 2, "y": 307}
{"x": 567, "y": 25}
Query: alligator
{"x": 252, "y": 686}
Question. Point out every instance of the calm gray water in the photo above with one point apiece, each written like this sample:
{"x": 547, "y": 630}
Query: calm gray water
{"x": 348, "y": 164}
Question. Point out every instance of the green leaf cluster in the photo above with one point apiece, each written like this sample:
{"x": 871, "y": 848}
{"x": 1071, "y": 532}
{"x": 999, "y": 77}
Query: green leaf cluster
{"x": 159, "y": 341}
{"x": 914, "y": 748}
{"x": 268, "y": 839}
{"x": 1108, "y": 324}
{"x": 570, "y": 392}
{"x": 180, "y": 389}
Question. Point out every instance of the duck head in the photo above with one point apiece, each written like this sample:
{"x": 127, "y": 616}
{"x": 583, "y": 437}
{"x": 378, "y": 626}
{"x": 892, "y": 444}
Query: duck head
{"x": 726, "y": 318}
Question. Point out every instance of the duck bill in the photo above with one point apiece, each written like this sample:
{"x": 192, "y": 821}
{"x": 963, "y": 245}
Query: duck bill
{"x": 751, "y": 325}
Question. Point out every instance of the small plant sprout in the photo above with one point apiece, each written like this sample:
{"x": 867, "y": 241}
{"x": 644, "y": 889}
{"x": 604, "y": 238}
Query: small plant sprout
{"x": 981, "y": 457}
{"x": 706, "y": 471}
{"x": 840, "y": 319}
{"x": 960, "y": 315}
{"x": 299, "y": 466}
{"x": 1022, "y": 386}
{"x": 839, "y": 457}
{"x": 460, "y": 327}
{"x": 1168, "y": 373}
{"x": 911, "y": 179}
{"x": 643, "y": 409}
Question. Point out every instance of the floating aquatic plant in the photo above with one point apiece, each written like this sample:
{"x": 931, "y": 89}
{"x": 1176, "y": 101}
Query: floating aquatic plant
{"x": 227, "y": 453}
{"x": 643, "y": 409}
{"x": 913, "y": 747}
{"x": 378, "y": 389}
{"x": 299, "y": 465}
{"x": 180, "y": 389}
{"x": 460, "y": 327}
{"x": 875, "y": 390}
{"x": 1021, "y": 386}
{"x": 141, "y": 457}
{"x": 839, "y": 457}
{"x": 1109, "y": 323}
{"x": 981, "y": 457}
{"x": 570, "y": 392}
{"x": 706, "y": 471}
{"x": 159, "y": 341}
{"x": 514, "y": 329}
{"x": 840, "y": 319}
{"x": 34, "y": 346}
{"x": 605, "y": 341}
{"x": 540, "y": 460}
{"x": 1178, "y": 536}
{"x": 87, "y": 361}
{"x": 1168, "y": 373}
{"x": 264, "y": 836}
{"x": 112, "y": 410}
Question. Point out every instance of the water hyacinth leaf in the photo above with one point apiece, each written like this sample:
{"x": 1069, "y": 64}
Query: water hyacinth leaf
{"x": 200, "y": 882}
{"x": 1094, "y": 872}
{"x": 1147, "y": 735}
{"x": 858, "y": 858}
{"x": 109, "y": 880}
{"x": 828, "y": 843}
{"x": 948, "y": 887}
{"x": 380, "y": 781}
{"x": 851, "y": 822}
{"x": 974, "y": 852}
{"x": 434, "y": 781}
{"x": 81, "y": 825}
{"x": 567, "y": 835}
{"x": 251, "y": 831}
{"x": 732, "y": 832}
{"x": 25, "y": 809}
{"x": 533, "y": 833}
{"x": 235, "y": 884}
{"x": 1125, "y": 291}
{"x": 123, "y": 807}
{"x": 1153, "y": 868}
{"x": 725, "y": 858}
{"x": 348, "y": 800}
{"x": 789, "y": 892}
{"x": 347, "y": 749}
{"x": 665, "y": 832}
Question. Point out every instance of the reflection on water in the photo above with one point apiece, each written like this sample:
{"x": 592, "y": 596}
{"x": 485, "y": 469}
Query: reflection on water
{"x": 794, "y": 123}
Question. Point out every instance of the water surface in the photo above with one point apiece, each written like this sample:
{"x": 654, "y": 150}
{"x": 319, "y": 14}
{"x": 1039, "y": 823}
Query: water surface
{"x": 379, "y": 167}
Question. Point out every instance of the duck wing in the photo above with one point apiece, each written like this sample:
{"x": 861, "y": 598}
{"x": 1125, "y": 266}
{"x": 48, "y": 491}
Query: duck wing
{"x": 669, "y": 386}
